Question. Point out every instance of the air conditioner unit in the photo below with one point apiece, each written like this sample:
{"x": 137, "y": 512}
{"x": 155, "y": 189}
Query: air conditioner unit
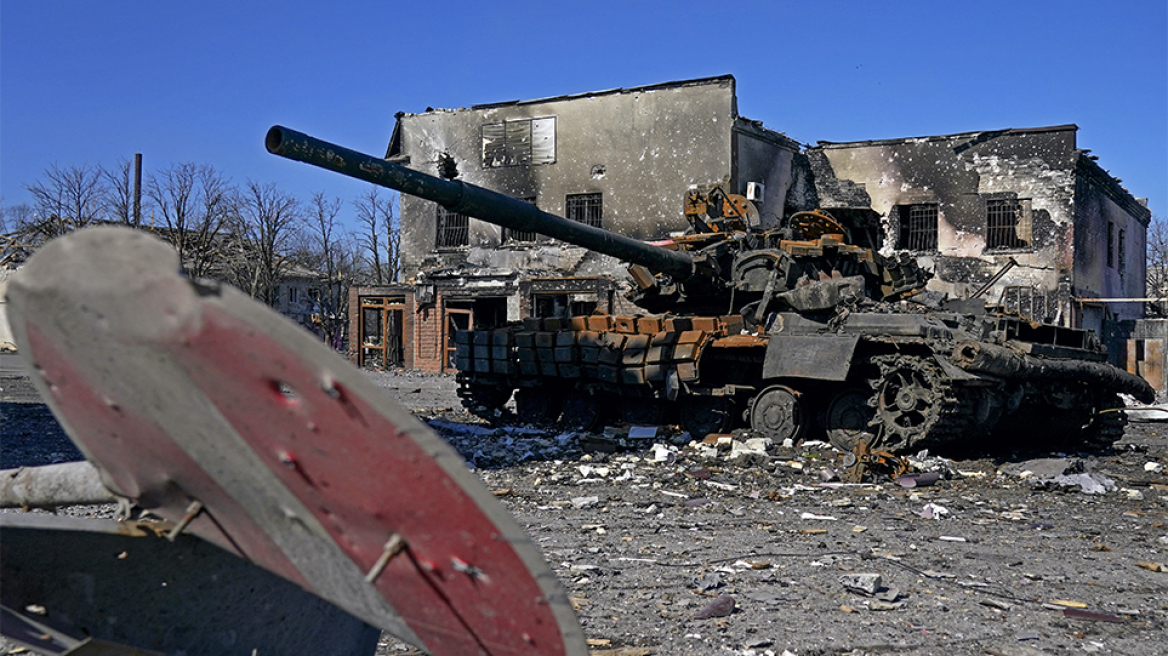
{"x": 755, "y": 191}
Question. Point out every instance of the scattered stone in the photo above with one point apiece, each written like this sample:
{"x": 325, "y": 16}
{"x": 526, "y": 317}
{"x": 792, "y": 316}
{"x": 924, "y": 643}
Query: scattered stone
{"x": 585, "y": 502}
{"x": 708, "y": 582}
{"x": 865, "y": 583}
{"x": 720, "y": 607}
{"x": 933, "y": 511}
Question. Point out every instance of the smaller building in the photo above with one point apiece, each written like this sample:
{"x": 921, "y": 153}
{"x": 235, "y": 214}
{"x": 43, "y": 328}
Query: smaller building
{"x": 1027, "y": 204}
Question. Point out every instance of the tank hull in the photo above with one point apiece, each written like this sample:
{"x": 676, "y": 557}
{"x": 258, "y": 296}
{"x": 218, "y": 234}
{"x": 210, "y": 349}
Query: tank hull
{"x": 898, "y": 381}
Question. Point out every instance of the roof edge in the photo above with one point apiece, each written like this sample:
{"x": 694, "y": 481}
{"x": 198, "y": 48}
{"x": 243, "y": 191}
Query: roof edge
{"x": 1070, "y": 127}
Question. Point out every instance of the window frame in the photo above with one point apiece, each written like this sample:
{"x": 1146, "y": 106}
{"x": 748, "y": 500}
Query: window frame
{"x": 1004, "y": 235}
{"x": 518, "y": 142}
{"x": 581, "y": 208}
{"x": 524, "y": 237}
{"x": 910, "y": 235}
{"x": 445, "y": 234}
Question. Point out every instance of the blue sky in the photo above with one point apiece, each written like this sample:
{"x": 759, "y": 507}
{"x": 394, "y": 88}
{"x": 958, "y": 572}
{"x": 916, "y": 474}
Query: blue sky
{"x": 91, "y": 82}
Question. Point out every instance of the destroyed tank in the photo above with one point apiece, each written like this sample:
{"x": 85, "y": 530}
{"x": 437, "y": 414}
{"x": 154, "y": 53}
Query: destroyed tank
{"x": 791, "y": 332}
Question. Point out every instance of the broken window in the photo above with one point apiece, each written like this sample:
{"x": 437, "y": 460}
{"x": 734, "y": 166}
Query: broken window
{"x": 521, "y": 235}
{"x": 1008, "y": 223}
{"x": 514, "y": 143}
{"x": 918, "y": 227}
{"x": 1111, "y": 244}
{"x": 585, "y": 208}
{"x": 453, "y": 229}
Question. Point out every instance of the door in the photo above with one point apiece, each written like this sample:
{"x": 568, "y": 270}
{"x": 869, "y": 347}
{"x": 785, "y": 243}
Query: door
{"x": 456, "y": 319}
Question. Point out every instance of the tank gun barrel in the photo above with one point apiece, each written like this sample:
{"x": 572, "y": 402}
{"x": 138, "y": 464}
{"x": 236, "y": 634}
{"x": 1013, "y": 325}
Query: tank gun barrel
{"x": 480, "y": 203}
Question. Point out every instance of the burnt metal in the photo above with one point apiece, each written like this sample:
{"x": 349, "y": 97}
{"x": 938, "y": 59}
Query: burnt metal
{"x": 217, "y": 414}
{"x": 797, "y": 331}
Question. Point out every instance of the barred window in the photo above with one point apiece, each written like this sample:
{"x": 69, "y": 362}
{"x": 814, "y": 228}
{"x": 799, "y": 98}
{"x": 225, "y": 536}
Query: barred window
{"x": 1008, "y": 223}
{"x": 585, "y": 208}
{"x": 1111, "y": 244}
{"x": 1121, "y": 255}
{"x": 521, "y": 235}
{"x": 453, "y": 229}
{"x": 918, "y": 227}
{"x": 514, "y": 143}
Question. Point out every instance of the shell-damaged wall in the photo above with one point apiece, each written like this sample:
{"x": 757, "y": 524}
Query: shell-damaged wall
{"x": 641, "y": 149}
{"x": 1037, "y": 171}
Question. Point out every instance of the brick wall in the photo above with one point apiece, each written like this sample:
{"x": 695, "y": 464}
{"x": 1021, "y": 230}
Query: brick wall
{"x": 428, "y": 334}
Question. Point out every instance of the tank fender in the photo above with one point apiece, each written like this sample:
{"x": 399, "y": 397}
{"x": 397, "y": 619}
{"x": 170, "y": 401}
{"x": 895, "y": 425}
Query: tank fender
{"x": 957, "y": 373}
{"x": 823, "y": 357}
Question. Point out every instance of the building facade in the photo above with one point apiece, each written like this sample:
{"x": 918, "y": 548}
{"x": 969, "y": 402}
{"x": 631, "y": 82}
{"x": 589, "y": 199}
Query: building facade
{"x": 1022, "y": 217}
{"x": 621, "y": 160}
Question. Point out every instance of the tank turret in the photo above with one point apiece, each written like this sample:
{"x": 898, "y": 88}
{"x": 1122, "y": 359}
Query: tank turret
{"x": 724, "y": 266}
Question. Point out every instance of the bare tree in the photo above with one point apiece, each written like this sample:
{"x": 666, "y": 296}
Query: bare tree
{"x": 1157, "y": 265}
{"x": 328, "y": 248}
{"x": 195, "y": 203}
{"x": 268, "y": 219}
{"x": 392, "y": 226}
{"x": 379, "y": 236}
{"x": 118, "y": 192}
{"x": 15, "y": 222}
{"x": 66, "y": 199}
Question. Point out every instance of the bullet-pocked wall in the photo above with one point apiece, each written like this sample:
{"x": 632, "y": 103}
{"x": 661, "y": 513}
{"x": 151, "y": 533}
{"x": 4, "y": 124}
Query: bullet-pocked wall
{"x": 967, "y": 205}
{"x": 622, "y": 158}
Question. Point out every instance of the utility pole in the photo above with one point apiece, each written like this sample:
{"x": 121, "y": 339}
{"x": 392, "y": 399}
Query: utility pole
{"x": 137, "y": 189}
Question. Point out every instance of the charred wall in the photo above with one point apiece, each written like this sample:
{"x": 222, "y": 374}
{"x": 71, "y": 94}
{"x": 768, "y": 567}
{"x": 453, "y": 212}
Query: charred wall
{"x": 639, "y": 149}
{"x": 990, "y": 198}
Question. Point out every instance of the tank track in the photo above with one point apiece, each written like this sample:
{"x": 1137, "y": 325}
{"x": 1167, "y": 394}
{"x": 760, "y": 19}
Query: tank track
{"x": 482, "y": 400}
{"x": 915, "y": 405}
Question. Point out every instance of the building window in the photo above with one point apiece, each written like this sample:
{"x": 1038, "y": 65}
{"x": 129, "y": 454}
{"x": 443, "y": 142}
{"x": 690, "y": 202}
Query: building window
{"x": 918, "y": 227}
{"x": 293, "y": 295}
{"x": 1111, "y": 244}
{"x": 1008, "y": 223}
{"x": 521, "y": 235}
{"x": 585, "y": 208}
{"x": 1121, "y": 255}
{"x": 453, "y": 229}
{"x": 515, "y": 143}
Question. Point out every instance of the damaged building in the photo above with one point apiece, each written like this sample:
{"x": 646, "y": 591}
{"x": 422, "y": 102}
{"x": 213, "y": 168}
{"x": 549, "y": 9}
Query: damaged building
{"x": 620, "y": 159}
{"x": 1022, "y": 216}
{"x": 1026, "y": 201}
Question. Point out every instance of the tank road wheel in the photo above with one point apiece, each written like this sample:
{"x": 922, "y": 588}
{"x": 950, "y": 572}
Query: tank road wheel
{"x": 538, "y": 406}
{"x": 703, "y": 415}
{"x": 1106, "y": 424}
{"x": 583, "y": 411}
{"x": 848, "y": 419}
{"x": 909, "y": 401}
{"x": 483, "y": 399}
{"x": 778, "y": 414}
{"x": 643, "y": 411}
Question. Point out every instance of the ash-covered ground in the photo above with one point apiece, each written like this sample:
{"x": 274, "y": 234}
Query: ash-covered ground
{"x": 1006, "y": 554}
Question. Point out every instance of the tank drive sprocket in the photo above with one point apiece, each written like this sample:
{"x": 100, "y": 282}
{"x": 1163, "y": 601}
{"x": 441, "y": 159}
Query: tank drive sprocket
{"x": 914, "y": 403}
